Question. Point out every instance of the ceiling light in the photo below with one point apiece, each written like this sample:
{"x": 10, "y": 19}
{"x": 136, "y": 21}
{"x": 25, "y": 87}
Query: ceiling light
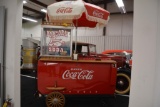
{"x": 121, "y": 6}
{"x": 120, "y": 3}
{"x": 44, "y": 10}
{"x": 24, "y": 2}
{"x": 29, "y": 19}
{"x": 122, "y": 9}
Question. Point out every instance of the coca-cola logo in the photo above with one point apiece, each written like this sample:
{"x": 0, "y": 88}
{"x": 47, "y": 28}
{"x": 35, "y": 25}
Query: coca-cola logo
{"x": 96, "y": 13}
{"x": 83, "y": 74}
{"x": 64, "y": 10}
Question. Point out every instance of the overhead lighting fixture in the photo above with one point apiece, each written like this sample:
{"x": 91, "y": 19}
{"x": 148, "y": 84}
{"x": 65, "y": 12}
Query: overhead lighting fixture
{"x": 24, "y": 1}
{"x": 29, "y": 19}
{"x": 120, "y": 3}
{"x": 121, "y": 6}
{"x": 44, "y": 10}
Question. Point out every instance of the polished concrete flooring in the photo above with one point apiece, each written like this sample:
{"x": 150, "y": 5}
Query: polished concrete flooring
{"x": 28, "y": 89}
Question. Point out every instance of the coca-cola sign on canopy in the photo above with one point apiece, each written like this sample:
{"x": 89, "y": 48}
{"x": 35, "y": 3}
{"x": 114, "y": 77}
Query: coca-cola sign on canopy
{"x": 64, "y": 10}
{"x": 86, "y": 14}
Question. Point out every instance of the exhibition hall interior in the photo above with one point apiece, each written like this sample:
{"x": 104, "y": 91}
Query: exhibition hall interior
{"x": 63, "y": 53}
{"x": 58, "y": 55}
{"x": 72, "y": 53}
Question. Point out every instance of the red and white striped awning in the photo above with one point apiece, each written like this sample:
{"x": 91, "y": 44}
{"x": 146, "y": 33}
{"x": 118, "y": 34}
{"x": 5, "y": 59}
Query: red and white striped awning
{"x": 80, "y": 13}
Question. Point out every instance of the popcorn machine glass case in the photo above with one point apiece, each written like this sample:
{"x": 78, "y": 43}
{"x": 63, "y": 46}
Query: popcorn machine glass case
{"x": 56, "y": 41}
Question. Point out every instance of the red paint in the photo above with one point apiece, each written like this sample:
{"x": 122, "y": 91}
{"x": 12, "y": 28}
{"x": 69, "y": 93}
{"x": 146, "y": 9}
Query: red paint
{"x": 77, "y": 77}
{"x": 96, "y": 11}
{"x": 83, "y": 22}
{"x": 116, "y": 51}
{"x": 119, "y": 56}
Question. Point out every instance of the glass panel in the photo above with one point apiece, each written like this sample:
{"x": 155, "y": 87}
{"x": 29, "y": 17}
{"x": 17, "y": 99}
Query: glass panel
{"x": 56, "y": 41}
{"x": 84, "y": 49}
{"x": 92, "y": 49}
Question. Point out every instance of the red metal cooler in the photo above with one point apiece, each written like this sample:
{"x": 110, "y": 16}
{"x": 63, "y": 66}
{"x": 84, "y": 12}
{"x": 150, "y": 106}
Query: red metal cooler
{"x": 59, "y": 77}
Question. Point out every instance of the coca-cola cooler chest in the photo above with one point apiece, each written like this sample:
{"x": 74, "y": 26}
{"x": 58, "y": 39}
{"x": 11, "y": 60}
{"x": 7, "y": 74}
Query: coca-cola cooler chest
{"x": 80, "y": 77}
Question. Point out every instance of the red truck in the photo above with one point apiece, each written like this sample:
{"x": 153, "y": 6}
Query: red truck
{"x": 60, "y": 74}
{"x": 122, "y": 58}
{"x": 123, "y": 69}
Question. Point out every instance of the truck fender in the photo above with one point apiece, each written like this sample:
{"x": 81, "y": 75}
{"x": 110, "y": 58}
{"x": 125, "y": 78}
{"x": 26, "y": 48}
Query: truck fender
{"x": 123, "y": 81}
{"x": 124, "y": 70}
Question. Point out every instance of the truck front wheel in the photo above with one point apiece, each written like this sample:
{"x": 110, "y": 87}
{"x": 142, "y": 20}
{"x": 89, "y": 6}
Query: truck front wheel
{"x": 122, "y": 83}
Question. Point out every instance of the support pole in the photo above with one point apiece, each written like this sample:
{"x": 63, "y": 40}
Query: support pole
{"x": 2, "y": 20}
{"x": 75, "y": 50}
{"x": 105, "y": 7}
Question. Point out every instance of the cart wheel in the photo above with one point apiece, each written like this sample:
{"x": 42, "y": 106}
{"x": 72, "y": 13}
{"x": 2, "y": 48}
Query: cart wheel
{"x": 55, "y": 99}
{"x": 122, "y": 83}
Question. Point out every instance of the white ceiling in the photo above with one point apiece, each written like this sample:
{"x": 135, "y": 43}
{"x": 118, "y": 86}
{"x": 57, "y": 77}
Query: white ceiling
{"x": 111, "y": 7}
{"x": 48, "y": 2}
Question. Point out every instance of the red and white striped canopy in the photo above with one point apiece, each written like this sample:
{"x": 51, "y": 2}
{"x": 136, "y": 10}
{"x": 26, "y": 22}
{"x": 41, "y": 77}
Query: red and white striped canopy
{"x": 80, "y": 13}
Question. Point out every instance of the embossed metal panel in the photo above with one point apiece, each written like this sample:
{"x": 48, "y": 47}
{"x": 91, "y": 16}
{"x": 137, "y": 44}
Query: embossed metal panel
{"x": 77, "y": 77}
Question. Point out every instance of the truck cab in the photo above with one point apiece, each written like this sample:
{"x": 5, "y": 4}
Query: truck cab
{"x": 84, "y": 49}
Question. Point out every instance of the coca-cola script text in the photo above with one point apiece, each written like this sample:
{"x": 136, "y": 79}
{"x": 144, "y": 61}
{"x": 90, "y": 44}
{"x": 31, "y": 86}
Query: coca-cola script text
{"x": 96, "y": 13}
{"x": 64, "y": 10}
{"x": 84, "y": 74}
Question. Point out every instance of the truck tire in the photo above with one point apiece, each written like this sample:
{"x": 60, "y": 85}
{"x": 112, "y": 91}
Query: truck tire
{"x": 123, "y": 83}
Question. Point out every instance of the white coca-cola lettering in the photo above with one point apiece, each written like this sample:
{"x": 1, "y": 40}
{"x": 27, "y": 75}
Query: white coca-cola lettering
{"x": 84, "y": 74}
{"x": 98, "y": 14}
{"x": 64, "y": 10}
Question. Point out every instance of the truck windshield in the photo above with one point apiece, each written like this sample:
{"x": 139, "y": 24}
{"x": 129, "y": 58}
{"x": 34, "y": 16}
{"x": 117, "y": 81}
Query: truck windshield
{"x": 92, "y": 49}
